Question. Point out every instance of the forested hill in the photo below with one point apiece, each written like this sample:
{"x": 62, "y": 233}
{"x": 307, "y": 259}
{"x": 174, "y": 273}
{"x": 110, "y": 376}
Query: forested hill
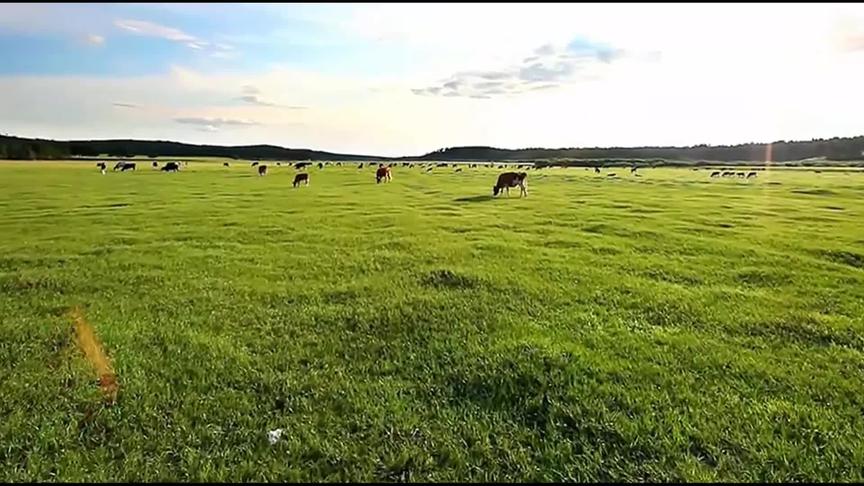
{"x": 832, "y": 149}
{"x": 839, "y": 149}
{"x": 27, "y": 148}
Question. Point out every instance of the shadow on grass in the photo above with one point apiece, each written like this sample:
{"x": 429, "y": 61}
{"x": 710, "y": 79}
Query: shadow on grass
{"x": 473, "y": 199}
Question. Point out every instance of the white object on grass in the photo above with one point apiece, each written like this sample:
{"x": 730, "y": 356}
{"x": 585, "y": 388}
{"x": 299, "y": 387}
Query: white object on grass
{"x": 274, "y": 435}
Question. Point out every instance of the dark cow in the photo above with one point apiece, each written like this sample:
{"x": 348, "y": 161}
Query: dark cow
{"x": 124, "y": 166}
{"x": 226, "y": 164}
{"x": 752, "y": 174}
{"x": 320, "y": 165}
{"x": 429, "y": 169}
{"x": 301, "y": 178}
{"x": 715, "y": 173}
{"x": 360, "y": 166}
{"x": 383, "y": 174}
{"x": 508, "y": 180}
{"x": 279, "y": 164}
{"x": 171, "y": 167}
{"x": 741, "y": 174}
{"x": 611, "y": 174}
{"x": 300, "y": 165}
{"x": 596, "y": 170}
{"x": 339, "y": 164}
{"x": 155, "y": 164}
{"x": 262, "y": 170}
{"x": 633, "y": 170}
{"x": 459, "y": 170}
{"x": 101, "y": 165}
{"x": 254, "y": 164}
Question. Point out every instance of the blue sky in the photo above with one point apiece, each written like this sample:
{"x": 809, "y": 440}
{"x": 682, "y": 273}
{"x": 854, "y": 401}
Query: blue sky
{"x": 404, "y": 79}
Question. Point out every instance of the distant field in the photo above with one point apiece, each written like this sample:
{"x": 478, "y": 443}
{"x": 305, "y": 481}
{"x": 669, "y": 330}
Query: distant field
{"x": 653, "y": 328}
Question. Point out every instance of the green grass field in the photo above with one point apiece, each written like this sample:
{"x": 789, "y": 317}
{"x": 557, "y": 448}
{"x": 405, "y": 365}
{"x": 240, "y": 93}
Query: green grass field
{"x": 667, "y": 327}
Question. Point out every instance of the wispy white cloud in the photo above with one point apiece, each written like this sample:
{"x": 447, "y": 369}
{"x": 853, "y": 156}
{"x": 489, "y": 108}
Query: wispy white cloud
{"x": 256, "y": 100}
{"x": 125, "y": 105}
{"x": 215, "y": 122}
{"x": 95, "y": 40}
{"x": 549, "y": 66}
{"x": 150, "y": 29}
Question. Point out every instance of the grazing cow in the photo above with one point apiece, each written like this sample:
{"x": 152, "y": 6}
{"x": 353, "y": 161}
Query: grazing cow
{"x": 716, "y": 173}
{"x": 254, "y": 164}
{"x": 124, "y": 166}
{"x": 429, "y": 169}
{"x": 301, "y": 178}
{"x": 752, "y": 174}
{"x": 632, "y": 170}
{"x": 741, "y": 174}
{"x": 360, "y": 166}
{"x": 508, "y": 180}
{"x": 596, "y": 170}
{"x": 300, "y": 165}
{"x": 226, "y": 164}
{"x": 611, "y": 174}
{"x": 102, "y": 167}
{"x": 155, "y": 164}
{"x": 171, "y": 167}
{"x": 459, "y": 170}
{"x": 320, "y": 165}
{"x": 383, "y": 174}
{"x": 279, "y": 164}
{"x": 262, "y": 170}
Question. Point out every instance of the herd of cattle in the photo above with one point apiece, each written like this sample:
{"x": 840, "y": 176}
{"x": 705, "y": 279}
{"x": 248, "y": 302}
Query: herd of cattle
{"x": 384, "y": 173}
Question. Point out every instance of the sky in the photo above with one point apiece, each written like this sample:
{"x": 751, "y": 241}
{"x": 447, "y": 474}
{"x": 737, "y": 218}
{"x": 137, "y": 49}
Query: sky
{"x": 407, "y": 79}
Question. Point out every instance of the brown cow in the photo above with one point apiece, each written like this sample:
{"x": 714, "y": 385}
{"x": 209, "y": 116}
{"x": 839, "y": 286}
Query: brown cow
{"x": 508, "y": 180}
{"x": 383, "y": 173}
{"x": 262, "y": 170}
{"x": 301, "y": 178}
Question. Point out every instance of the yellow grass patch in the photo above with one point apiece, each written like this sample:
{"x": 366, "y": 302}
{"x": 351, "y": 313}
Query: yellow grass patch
{"x": 95, "y": 354}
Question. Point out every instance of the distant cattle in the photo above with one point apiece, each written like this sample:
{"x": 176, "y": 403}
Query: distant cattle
{"x": 459, "y": 170}
{"x": 262, "y": 170}
{"x": 508, "y": 180}
{"x": 254, "y": 164}
{"x": 320, "y": 165}
{"x": 596, "y": 170}
{"x": 339, "y": 164}
{"x": 716, "y": 173}
{"x": 279, "y": 164}
{"x": 101, "y": 165}
{"x": 155, "y": 164}
{"x": 383, "y": 174}
{"x": 442, "y": 165}
{"x": 226, "y": 164}
{"x": 301, "y": 178}
{"x": 741, "y": 174}
{"x": 611, "y": 174}
{"x": 124, "y": 166}
{"x": 171, "y": 167}
{"x": 360, "y": 166}
{"x": 752, "y": 174}
{"x": 300, "y": 165}
{"x": 632, "y": 170}
{"x": 429, "y": 169}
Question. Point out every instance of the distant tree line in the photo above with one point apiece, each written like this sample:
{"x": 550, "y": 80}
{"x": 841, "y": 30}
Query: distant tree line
{"x": 837, "y": 149}
{"x": 833, "y": 149}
